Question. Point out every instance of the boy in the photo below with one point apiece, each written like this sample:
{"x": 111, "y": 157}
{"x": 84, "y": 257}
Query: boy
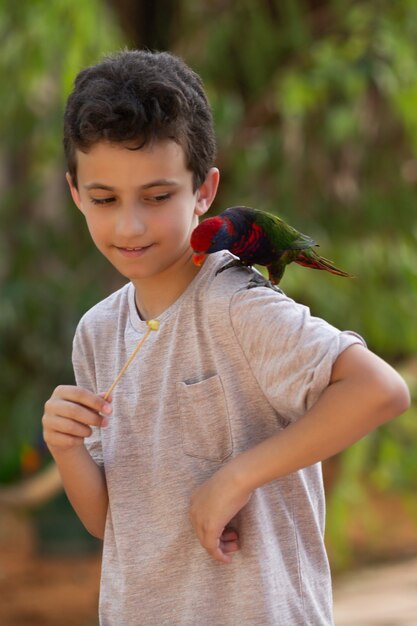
{"x": 210, "y": 445}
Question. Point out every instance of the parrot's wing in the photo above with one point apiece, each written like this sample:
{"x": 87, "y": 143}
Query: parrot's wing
{"x": 284, "y": 236}
{"x": 302, "y": 242}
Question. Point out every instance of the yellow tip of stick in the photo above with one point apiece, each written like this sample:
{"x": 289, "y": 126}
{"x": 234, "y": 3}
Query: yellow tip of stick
{"x": 153, "y": 324}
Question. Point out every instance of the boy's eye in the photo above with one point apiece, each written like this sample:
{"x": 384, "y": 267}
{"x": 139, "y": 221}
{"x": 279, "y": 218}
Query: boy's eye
{"x": 160, "y": 197}
{"x": 102, "y": 200}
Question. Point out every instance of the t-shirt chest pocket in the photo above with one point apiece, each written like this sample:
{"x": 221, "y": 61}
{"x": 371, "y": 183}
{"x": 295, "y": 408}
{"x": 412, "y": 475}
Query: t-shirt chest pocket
{"x": 205, "y": 424}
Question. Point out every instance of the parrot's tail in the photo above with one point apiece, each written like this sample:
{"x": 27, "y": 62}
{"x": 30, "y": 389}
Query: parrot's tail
{"x": 309, "y": 258}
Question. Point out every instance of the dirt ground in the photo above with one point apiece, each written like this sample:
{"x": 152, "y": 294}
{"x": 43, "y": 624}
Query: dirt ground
{"x": 49, "y": 591}
{"x": 378, "y": 596}
{"x": 63, "y": 591}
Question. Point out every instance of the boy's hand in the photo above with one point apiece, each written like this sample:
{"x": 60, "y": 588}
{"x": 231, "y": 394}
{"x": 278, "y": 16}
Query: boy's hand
{"x": 213, "y": 506}
{"x": 69, "y": 414}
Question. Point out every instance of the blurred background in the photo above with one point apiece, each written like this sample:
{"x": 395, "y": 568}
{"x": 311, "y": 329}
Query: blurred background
{"x": 315, "y": 106}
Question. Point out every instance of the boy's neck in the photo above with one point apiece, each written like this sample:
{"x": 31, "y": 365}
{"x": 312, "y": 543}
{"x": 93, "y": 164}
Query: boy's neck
{"x": 155, "y": 295}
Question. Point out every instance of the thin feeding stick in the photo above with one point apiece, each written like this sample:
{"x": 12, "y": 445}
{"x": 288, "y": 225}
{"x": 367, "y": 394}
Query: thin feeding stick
{"x": 152, "y": 325}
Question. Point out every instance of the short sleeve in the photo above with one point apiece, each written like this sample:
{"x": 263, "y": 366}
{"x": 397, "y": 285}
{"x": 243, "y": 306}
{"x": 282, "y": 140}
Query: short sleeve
{"x": 290, "y": 352}
{"x": 84, "y": 371}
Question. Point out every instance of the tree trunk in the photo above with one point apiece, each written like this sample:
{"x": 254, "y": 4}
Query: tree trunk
{"x": 148, "y": 24}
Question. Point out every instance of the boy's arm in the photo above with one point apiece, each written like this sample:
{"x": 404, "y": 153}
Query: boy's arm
{"x": 69, "y": 414}
{"x": 363, "y": 393}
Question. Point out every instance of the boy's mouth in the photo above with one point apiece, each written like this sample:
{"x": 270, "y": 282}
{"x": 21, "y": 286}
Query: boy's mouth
{"x": 133, "y": 252}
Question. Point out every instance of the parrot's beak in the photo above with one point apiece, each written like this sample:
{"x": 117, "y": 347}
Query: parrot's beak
{"x": 199, "y": 258}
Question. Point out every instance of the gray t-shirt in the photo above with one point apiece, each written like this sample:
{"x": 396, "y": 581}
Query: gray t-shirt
{"x": 228, "y": 367}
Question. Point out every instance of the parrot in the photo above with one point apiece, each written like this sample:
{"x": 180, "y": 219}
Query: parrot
{"x": 257, "y": 237}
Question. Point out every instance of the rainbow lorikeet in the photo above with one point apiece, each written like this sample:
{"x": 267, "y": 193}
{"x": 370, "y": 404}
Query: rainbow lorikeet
{"x": 257, "y": 238}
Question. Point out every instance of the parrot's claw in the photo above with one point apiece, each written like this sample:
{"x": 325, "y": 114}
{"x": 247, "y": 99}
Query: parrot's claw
{"x": 258, "y": 280}
{"x": 234, "y": 263}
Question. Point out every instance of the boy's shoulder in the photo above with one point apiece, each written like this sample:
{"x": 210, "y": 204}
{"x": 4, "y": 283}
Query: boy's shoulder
{"x": 238, "y": 288}
{"x": 225, "y": 283}
{"x": 241, "y": 300}
{"x": 106, "y": 310}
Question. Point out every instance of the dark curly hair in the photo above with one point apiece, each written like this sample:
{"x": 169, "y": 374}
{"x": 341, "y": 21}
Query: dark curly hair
{"x": 140, "y": 96}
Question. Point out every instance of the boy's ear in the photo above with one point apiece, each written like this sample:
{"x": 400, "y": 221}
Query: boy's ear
{"x": 74, "y": 191}
{"x": 207, "y": 192}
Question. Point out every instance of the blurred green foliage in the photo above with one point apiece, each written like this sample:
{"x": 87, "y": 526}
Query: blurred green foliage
{"x": 49, "y": 272}
{"x": 317, "y": 120}
{"x": 315, "y": 106}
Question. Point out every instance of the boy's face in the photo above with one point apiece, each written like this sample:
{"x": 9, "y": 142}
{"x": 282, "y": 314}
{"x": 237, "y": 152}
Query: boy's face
{"x": 140, "y": 206}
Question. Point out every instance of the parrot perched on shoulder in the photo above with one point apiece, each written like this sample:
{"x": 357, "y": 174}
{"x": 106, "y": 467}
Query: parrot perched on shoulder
{"x": 257, "y": 238}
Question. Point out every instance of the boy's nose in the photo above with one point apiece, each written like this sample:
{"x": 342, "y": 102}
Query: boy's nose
{"x": 130, "y": 222}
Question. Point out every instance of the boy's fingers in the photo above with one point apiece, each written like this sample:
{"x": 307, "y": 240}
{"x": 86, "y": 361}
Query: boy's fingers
{"x": 63, "y": 440}
{"x": 109, "y": 397}
{"x": 230, "y": 546}
{"x": 78, "y": 405}
{"x": 83, "y": 397}
{"x": 219, "y": 549}
{"x": 72, "y": 427}
{"x": 229, "y": 540}
{"x": 79, "y": 413}
{"x": 218, "y": 555}
{"x": 229, "y": 534}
